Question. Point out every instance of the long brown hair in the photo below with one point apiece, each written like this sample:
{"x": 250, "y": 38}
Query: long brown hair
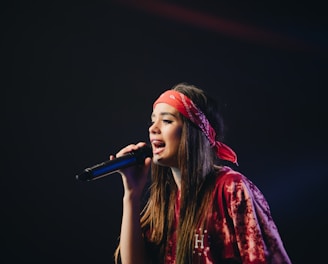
{"x": 198, "y": 171}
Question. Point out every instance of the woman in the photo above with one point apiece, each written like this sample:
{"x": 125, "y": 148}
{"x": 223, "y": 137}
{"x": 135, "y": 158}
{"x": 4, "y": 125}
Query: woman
{"x": 199, "y": 210}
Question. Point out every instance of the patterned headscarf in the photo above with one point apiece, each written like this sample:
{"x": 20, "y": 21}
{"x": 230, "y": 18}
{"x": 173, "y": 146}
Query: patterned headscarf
{"x": 188, "y": 109}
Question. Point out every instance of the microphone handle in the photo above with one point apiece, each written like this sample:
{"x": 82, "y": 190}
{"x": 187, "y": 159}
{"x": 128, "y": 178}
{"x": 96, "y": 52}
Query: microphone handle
{"x": 111, "y": 166}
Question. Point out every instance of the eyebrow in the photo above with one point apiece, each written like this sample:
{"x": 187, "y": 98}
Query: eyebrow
{"x": 163, "y": 114}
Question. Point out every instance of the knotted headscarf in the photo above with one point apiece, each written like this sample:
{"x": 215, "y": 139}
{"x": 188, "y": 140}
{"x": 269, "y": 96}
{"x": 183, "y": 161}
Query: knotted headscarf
{"x": 188, "y": 109}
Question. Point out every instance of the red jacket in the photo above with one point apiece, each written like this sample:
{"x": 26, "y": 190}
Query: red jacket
{"x": 240, "y": 228}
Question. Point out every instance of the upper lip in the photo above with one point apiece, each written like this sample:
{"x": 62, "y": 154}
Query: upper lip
{"x": 156, "y": 141}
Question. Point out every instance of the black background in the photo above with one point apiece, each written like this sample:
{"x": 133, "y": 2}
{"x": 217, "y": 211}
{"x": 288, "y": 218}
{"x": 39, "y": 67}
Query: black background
{"x": 79, "y": 80}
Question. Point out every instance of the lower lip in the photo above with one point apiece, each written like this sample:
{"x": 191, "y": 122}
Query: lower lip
{"x": 158, "y": 151}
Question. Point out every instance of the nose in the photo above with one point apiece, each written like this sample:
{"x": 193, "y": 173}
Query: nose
{"x": 154, "y": 128}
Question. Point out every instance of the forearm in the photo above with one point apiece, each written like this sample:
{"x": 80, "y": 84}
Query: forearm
{"x": 131, "y": 242}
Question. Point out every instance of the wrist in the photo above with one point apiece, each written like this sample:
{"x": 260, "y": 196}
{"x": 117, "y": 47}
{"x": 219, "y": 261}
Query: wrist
{"x": 132, "y": 197}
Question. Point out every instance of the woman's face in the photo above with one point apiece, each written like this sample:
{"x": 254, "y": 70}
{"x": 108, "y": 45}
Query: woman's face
{"x": 165, "y": 134}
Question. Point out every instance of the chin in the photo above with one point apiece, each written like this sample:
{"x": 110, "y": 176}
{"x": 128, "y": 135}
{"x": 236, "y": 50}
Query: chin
{"x": 163, "y": 162}
{"x": 158, "y": 161}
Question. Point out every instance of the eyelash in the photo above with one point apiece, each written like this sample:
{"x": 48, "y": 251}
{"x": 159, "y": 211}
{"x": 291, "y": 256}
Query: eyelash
{"x": 163, "y": 120}
{"x": 167, "y": 121}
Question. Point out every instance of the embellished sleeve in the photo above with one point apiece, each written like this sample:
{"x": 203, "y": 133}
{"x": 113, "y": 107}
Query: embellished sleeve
{"x": 249, "y": 227}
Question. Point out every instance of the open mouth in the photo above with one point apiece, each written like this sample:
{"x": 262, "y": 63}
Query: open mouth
{"x": 158, "y": 146}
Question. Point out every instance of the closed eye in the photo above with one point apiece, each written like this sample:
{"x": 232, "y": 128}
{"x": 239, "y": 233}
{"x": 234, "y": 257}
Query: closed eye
{"x": 167, "y": 121}
{"x": 150, "y": 123}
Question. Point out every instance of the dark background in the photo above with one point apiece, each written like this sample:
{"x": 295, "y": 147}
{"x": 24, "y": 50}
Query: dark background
{"x": 79, "y": 80}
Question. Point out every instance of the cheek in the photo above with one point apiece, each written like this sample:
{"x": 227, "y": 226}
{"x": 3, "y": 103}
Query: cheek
{"x": 176, "y": 135}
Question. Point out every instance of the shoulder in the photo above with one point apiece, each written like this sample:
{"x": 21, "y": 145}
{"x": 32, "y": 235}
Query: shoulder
{"x": 227, "y": 175}
{"x": 230, "y": 183}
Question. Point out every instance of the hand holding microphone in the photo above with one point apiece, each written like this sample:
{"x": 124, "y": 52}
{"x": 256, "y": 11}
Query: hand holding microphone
{"x": 132, "y": 158}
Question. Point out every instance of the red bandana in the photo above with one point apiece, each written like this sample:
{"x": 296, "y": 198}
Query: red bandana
{"x": 187, "y": 108}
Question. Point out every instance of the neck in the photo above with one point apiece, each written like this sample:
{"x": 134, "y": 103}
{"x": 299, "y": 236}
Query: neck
{"x": 177, "y": 176}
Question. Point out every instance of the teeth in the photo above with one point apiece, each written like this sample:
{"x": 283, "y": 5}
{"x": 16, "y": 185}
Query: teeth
{"x": 158, "y": 144}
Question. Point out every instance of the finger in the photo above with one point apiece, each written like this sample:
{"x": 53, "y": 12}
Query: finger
{"x": 126, "y": 150}
{"x": 130, "y": 148}
{"x": 141, "y": 144}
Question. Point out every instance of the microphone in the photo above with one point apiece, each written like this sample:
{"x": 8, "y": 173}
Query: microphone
{"x": 108, "y": 167}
